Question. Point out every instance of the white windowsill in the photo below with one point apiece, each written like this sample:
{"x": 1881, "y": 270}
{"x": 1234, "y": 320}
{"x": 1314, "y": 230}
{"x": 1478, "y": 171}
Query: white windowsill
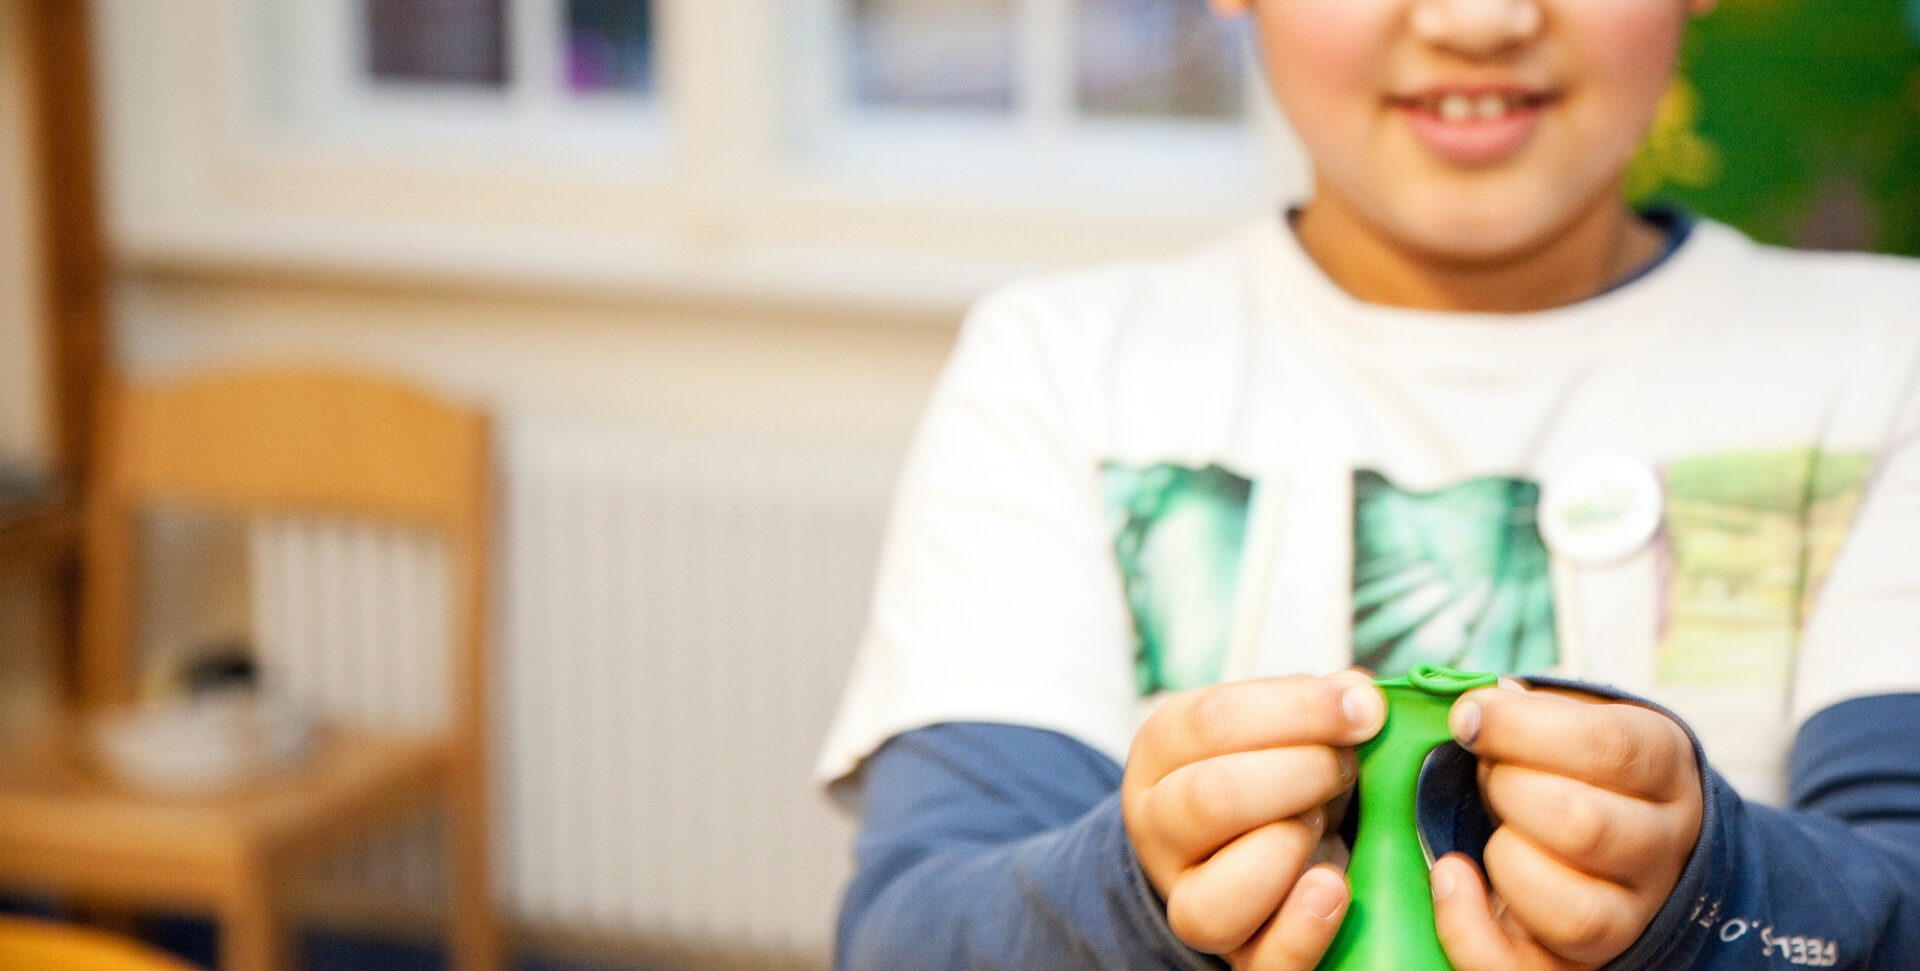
{"x": 573, "y": 265}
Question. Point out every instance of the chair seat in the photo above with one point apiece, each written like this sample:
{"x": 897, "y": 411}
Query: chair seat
{"x": 46, "y": 946}
{"x": 66, "y": 826}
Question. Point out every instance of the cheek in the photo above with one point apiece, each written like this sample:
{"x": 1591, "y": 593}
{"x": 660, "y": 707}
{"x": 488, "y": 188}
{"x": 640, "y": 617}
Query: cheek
{"x": 1633, "y": 44}
{"x": 1321, "y": 58}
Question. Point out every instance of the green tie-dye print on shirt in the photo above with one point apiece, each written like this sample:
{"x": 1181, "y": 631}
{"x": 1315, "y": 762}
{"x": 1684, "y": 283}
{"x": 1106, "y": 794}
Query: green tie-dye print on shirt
{"x": 1178, "y": 534}
{"x": 1749, "y": 539}
{"x": 1457, "y": 576}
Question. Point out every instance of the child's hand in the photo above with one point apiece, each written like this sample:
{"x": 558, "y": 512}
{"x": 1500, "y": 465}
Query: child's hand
{"x": 1226, "y": 797}
{"x": 1598, "y": 807}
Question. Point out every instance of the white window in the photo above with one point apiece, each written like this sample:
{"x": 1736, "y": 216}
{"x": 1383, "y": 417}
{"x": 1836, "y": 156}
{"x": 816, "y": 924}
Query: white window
{"x": 534, "y": 76}
{"x": 893, "y": 149}
{"x": 1090, "y": 96}
{"x": 1097, "y": 58}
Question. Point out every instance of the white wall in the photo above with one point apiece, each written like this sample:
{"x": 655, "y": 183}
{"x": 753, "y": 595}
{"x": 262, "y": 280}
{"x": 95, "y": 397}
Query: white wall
{"x": 704, "y": 369}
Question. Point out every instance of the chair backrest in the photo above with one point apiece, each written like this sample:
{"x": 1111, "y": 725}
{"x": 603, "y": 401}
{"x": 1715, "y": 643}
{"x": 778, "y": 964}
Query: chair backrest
{"x": 262, "y": 442}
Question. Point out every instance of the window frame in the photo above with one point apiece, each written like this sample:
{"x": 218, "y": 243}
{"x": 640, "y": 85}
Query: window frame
{"x": 335, "y": 102}
{"x": 719, "y": 204}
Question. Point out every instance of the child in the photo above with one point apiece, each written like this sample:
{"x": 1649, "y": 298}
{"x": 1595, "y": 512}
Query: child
{"x": 1461, "y": 406}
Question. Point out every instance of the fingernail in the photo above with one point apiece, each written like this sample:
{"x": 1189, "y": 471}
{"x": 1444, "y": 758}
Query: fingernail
{"x": 1321, "y": 902}
{"x": 1465, "y": 722}
{"x": 1513, "y": 684}
{"x": 1313, "y": 818}
{"x": 1363, "y": 707}
{"x": 1442, "y": 881}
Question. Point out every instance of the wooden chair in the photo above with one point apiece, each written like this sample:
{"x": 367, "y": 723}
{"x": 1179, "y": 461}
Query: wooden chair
{"x": 259, "y": 443}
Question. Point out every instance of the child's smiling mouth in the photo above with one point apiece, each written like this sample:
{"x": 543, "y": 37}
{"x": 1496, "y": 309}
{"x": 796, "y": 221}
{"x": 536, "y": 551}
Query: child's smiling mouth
{"x": 1473, "y": 126}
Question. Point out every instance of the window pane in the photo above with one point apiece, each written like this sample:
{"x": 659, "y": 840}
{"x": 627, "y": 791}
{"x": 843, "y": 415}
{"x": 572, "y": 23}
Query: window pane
{"x": 437, "y": 41}
{"x": 933, "y": 53}
{"x": 1159, "y": 57}
{"x": 610, "y": 46}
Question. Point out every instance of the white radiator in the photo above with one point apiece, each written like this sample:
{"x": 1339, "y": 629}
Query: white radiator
{"x": 351, "y": 620}
{"x": 675, "y": 619}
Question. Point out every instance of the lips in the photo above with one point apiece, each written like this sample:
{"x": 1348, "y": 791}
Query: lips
{"x": 1474, "y": 126}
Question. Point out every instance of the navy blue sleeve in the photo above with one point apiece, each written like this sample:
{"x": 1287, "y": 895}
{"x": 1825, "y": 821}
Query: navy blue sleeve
{"x": 998, "y": 846}
{"x": 1833, "y": 880}
{"x": 994, "y": 846}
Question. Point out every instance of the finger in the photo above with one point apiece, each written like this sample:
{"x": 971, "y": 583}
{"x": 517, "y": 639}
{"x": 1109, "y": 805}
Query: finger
{"x": 1485, "y": 766}
{"x": 1470, "y": 933}
{"x": 1297, "y": 937}
{"x": 1626, "y": 748}
{"x": 1269, "y": 713}
{"x": 1219, "y": 905}
{"x": 1593, "y": 830}
{"x": 1578, "y": 917}
{"x": 1202, "y": 805}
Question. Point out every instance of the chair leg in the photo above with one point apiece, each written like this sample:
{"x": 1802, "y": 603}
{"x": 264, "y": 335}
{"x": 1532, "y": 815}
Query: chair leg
{"x": 473, "y": 917}
{"x": 253, "y": 926}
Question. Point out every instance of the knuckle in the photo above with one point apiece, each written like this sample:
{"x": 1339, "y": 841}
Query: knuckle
{"x": 1585, "y": 829}
{"x": 1195, "y": 917}
{"x": 1162, "y": 816}
{"x": 1206, "y": 799}
{"x": 1157, "y": 822}
{"x": 1614, "y": 749}
{"x": 1208, "y": 720}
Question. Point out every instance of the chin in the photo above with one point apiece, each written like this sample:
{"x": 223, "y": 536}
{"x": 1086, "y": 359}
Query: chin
{"x": 1479, "y": 236}
{"x": 1493, "y": 227}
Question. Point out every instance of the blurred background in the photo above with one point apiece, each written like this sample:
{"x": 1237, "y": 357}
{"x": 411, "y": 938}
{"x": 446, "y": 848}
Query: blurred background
{"x": 699, "y": 261}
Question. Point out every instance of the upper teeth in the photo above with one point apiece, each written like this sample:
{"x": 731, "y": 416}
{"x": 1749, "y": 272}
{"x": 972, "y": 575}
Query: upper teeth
{"x": 1458, "y": 107}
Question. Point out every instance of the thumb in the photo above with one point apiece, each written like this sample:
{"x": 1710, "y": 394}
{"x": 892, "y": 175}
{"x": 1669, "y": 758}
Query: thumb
{"x": 1463, "y": 915}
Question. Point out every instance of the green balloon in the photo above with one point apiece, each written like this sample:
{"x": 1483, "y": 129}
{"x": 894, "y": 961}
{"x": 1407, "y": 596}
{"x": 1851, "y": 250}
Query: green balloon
{"x": 1389, "y": 924}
